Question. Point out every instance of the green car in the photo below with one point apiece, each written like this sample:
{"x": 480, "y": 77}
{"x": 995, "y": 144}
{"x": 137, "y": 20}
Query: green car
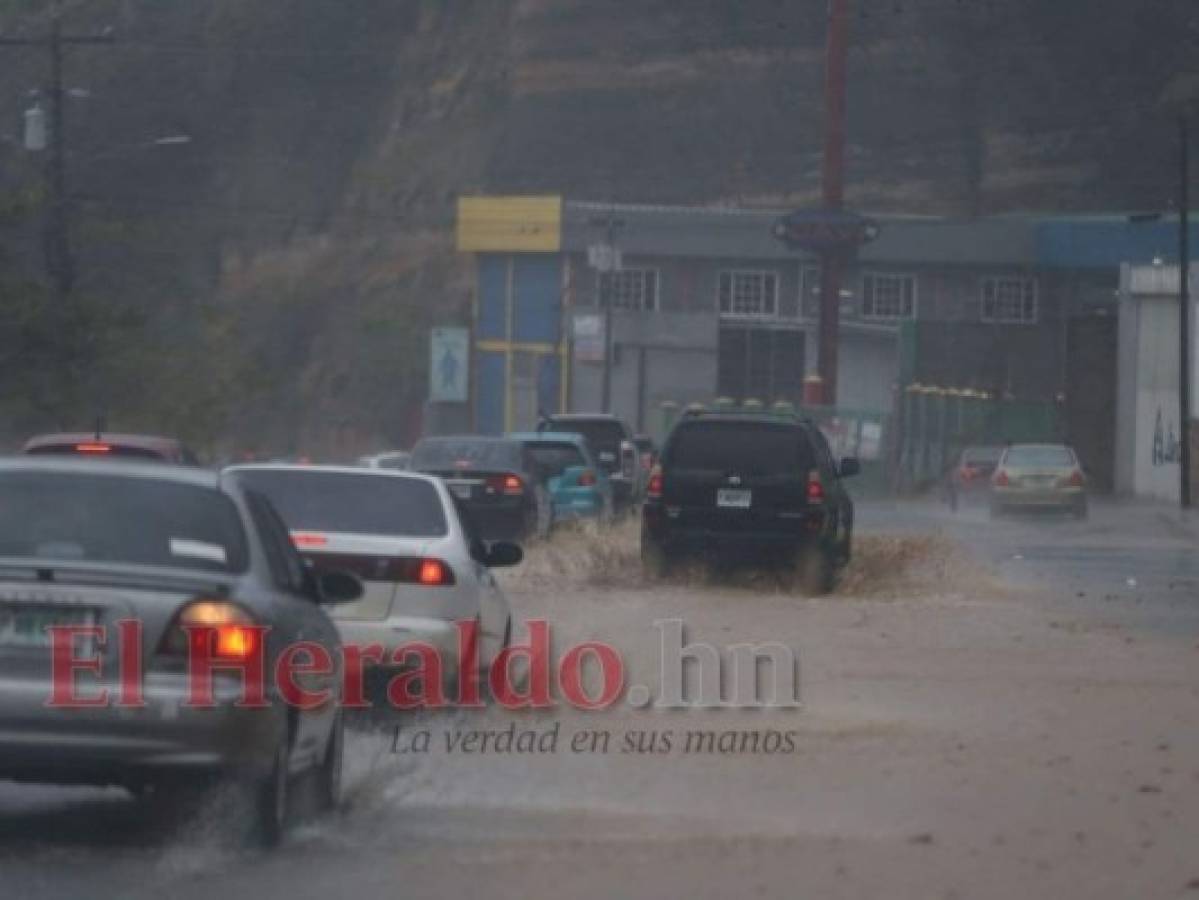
{"x": 1039, "y": 476}
{"x": 578, "y": 486}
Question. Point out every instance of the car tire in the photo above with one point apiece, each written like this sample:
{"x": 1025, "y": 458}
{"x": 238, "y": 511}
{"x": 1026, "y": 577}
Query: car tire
{"x": 330, "y": 773}
{"x": 815, "y": 571}
{"x": 273, "y": 797}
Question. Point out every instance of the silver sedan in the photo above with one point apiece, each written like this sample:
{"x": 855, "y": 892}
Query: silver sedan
{"x": 137, "y": 602}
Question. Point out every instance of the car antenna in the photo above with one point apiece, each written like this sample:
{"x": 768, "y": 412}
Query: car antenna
{"x": 99, "y": 426}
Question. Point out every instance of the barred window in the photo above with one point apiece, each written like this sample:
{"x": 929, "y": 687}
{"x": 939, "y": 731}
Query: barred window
{"x": 1011, "y": 299}
{"x": 888, "y": 296}
{"x": 634, "y": 289}
{"x": 748, "y": 294}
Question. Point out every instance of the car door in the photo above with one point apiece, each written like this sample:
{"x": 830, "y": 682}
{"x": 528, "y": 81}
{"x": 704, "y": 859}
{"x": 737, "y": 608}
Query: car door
{"x": 302, "y": 620}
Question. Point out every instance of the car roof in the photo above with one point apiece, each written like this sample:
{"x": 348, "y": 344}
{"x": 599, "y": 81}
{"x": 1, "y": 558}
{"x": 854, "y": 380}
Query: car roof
{"x": 583, "y": 417}
{"x": 555, "y": 437}
{"x": 742, "y": 417}
{"x": 1039, "y": 447}
{"x": 334, "y": 470}
{"x": 113, "y": 468}
{"x": 155, "y": 442}
{"x": 474, "y": 438}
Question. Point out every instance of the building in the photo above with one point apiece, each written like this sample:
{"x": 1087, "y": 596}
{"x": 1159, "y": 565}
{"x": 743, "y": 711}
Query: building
{"x": 1149, "y": 436}
{"x": 707, "y": 303}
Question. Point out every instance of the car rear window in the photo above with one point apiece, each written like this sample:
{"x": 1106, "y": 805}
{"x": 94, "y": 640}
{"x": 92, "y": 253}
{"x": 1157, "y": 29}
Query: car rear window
{"x": 117, "y": 519}
{"x": 987, "y": 456}
{"x": 603, "y": 435}
{"x": 550, "y": 460}
{"x": 449, "y": 454}
{"x": 747, "y": 448}
{"x": 1039, "y": 456}
{"x": 311, "y": 500}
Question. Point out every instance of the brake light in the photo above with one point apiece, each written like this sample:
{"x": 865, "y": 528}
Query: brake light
{"x": 228, "y": 631}
{"x": 653, "y": 489}
{"x": 308, "y": 539}
{"x": 509, "y": 485}
{"x": 93, "y": 447}
{"x": 587, "y": 478}
{"x": 815, "y": 488}
{"x": 433, "y": 573}
{"x": 1076, "y": 479}
{"x": 1000, "y": 479}
{"x": 967, "y": 473}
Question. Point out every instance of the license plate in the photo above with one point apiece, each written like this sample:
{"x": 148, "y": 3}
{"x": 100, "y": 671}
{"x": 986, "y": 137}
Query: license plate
{"x": 26, "y": 626}
{"x": 461, "y": 491}
{"x": 734, "y": 499}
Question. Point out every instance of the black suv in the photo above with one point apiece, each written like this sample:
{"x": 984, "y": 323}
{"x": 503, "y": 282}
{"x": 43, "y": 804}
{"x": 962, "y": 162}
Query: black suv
{"x": 749, "y": 486}
{"x": 611, "y": 441}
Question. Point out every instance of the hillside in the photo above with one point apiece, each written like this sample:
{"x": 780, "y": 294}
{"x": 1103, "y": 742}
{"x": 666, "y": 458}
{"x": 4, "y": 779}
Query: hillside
{"x": 269, "y": 285}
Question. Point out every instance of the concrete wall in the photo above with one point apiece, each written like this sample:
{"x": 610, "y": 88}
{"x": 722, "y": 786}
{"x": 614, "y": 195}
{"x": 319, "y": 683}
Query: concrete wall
{"x": 1149, "y": 432}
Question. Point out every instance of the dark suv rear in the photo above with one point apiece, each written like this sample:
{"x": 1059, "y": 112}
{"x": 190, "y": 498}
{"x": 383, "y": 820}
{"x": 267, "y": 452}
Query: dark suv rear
{"x": 745, "y": 486}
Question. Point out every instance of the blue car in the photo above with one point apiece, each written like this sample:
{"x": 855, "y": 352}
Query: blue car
{"x": 578, "y": 486}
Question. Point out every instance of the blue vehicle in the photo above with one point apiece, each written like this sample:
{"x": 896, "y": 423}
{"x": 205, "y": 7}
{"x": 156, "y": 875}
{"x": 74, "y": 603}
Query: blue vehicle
{"x": 578, "y": 486}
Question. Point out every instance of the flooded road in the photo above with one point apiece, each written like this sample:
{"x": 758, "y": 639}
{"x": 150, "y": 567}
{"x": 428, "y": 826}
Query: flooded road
{"x": 989, "y": 710}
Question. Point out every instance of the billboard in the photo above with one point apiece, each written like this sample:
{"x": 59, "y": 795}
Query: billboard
{"x": 449, "y": 365}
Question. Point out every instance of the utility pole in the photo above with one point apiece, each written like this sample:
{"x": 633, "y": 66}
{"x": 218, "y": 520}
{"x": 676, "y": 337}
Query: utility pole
{"x": 832, "y": 260}
{"x": 1184, "y": 311}
{"x": 606, "y": 260}
{"x": 59, "y": 262}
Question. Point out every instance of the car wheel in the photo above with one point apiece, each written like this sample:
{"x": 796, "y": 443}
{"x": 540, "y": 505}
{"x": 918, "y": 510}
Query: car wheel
{"x": 274, "y": 797}
{"x": 815, "y": 573}
{"x": 329, "y": 785}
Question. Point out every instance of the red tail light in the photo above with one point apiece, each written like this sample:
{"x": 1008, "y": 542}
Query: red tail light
{"x": 1076, "y": 479}
{"x": 228, "y": 630}
{"x": 1000, "y": 479}
{"x": 815, "y": 488}
{"x": 587, "y": 479}
{"x": 433, "y": 573}
{"x": 93, "y": 447}
{"x": 967, "y": 473}
{"x": 509, "y": 485}
{"x": 653, "y": 490}
{"x": 308, "y": 539}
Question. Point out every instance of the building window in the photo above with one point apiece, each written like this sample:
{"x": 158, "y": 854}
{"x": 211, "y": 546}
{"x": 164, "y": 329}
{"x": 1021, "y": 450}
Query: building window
{"x": 888, "y": 296}
{"x": 1011, "y": 300}
{"x": 745, "y": 294}
{"x": 633, "y": 289}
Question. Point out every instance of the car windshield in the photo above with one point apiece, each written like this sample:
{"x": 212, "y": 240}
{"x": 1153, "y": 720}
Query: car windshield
{"x": 71, "y": 517}
{"x": 451, "y": 454}
{"x": 551, "y": 459}
{"x": 312, "y": 500}
{"x": 746, "y": 448}
{"x": 1027, "y": 457}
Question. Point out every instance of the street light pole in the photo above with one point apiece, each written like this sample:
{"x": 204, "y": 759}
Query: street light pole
{"x": 1184, "y": 312}
{"x": 832, "y": 261}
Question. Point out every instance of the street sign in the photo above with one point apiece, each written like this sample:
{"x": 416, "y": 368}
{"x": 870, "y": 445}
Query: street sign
{"x": 449, "y": 365}
{"x": 824, "y": 230}
{"x": 604, "y": 258}
{"x": 588, "y": 334}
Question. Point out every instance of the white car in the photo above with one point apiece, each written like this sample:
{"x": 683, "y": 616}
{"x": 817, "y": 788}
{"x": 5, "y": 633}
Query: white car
{"x": 400, "y": 532}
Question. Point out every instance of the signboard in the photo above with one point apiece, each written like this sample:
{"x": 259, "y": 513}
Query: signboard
{"x": 588, "y": 334}
{"x": 824, "y": 230}
{"x": 449, "y": 365}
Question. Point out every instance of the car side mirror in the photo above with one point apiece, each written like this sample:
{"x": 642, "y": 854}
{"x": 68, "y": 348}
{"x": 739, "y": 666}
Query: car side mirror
{"x": 849, "y": 467}
{"x": 335, "y": 588}
{"x": 502, "y": 554}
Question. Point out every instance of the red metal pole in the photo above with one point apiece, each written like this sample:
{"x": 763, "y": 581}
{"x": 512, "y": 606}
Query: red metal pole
{"x": 836, "y": 54}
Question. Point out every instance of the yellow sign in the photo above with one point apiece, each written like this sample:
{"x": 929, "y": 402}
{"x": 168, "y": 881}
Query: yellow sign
{"x": 509, "y": 224}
